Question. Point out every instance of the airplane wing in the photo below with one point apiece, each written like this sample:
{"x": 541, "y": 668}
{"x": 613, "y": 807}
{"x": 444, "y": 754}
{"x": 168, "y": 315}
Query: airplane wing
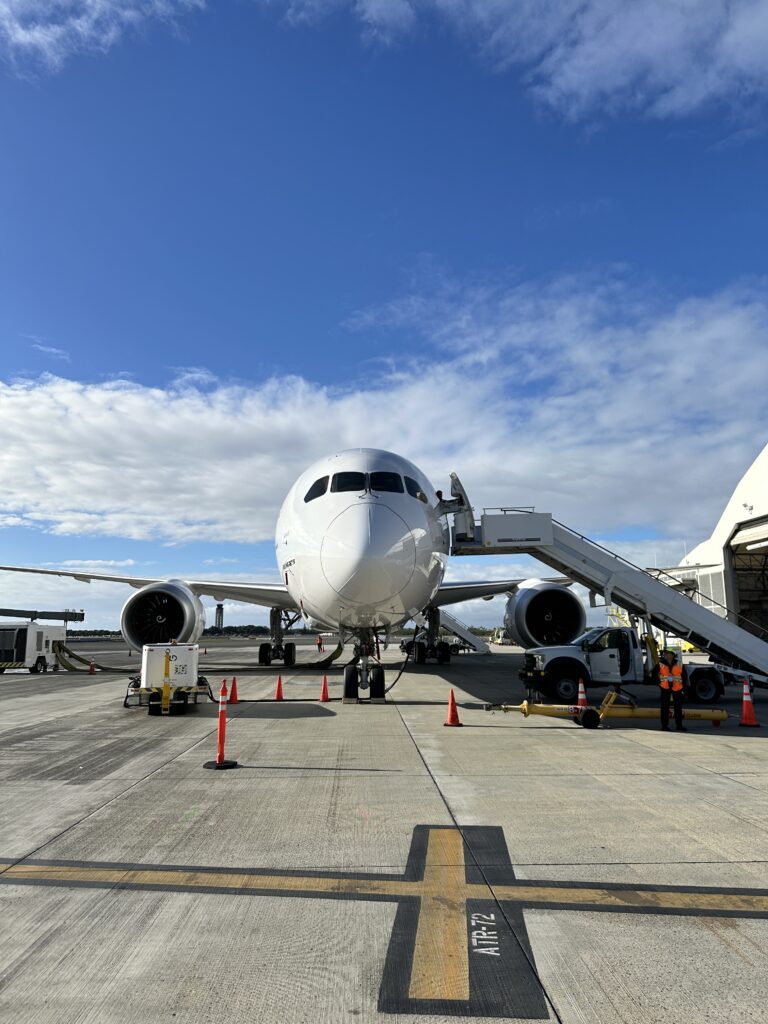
{"x": 452, "y": 593}
{"x": 273, "y": 595}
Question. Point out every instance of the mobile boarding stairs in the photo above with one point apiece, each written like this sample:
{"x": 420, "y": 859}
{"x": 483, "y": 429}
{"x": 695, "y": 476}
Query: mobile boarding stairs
{"x": 520, "y": 531}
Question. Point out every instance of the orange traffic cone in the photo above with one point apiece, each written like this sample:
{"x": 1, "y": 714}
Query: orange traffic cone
{"x": 279, "y": 689}
{"x": 324, "y": 698}
{"x": 582, "y": 698}
{"x": 205, "y": 650}
{"x": 92, "y": 668}
{"x": 747, "y": 708}
{"x": 233, "y": 692}
{"x": 453, "y": 714}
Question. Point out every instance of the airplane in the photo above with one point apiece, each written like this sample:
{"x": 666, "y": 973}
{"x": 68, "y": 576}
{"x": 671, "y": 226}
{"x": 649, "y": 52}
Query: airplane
{"x": 361, "y": 544}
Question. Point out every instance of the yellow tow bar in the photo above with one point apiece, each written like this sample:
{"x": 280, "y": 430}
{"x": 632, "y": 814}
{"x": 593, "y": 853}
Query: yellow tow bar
{"x": 591, "y": 718}
{"x": 165, "y": 700}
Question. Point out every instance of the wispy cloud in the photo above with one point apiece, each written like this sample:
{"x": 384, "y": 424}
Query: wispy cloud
{"x": 49, "y": 350}
{"x": 581, "y": 58}
{"x": 587, "y": 58}
{"x": 46, "y": 33}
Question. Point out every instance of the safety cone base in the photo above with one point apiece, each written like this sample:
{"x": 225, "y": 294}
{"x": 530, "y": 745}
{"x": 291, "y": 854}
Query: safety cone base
{"x": 221, "y": 766}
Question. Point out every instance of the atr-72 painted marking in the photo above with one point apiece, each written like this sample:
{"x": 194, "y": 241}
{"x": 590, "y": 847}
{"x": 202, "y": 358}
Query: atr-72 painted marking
{"x": 459, "y": 944}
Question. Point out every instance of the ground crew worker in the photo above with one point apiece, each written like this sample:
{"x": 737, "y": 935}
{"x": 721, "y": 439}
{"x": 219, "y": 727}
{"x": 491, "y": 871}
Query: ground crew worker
{"x": 671, "y": 685}
{"x": 319, "y": 644}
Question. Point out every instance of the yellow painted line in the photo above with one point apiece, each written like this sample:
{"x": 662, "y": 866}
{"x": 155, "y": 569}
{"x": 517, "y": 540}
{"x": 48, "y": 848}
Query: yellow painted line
{"x": 440, "y": 958}
{"x": 636, "y": 899}
{"x": 443, "y": 892}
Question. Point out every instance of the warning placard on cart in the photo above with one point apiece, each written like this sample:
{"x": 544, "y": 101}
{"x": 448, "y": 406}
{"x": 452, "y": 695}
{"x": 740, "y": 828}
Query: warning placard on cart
{"x": 182, "y": 664}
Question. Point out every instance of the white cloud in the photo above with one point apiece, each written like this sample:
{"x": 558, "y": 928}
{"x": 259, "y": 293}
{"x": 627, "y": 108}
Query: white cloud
{"x": 585, "y": 397}
{"x": 49, "y": 31}
{"x": 583, "y": 58}
{"x": 94, "y": 563}
{"x": 588, "y": 57}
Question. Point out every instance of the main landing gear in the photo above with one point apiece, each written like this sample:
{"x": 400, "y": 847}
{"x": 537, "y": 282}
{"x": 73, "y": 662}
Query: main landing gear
{"x": 276, "y": 649}
{"x": 362, "y": 675}
{"x": 427, "y": 644}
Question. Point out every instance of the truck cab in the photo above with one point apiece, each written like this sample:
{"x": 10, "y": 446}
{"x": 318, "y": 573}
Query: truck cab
{"x": 607, "y": 656}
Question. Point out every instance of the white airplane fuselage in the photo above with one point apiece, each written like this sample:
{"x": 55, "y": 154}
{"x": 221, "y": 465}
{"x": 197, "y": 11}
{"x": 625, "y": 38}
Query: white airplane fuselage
{"x": 358, "y": 542}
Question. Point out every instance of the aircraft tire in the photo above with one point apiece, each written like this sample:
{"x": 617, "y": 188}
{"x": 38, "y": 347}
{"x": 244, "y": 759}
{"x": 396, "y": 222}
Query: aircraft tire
{"x": 265, "y": 654}
{"x": 376, "y": 682}
{"x": 289, "y": 654}
{"x": 419, "y": 653}
{"x": 351, "y": 683}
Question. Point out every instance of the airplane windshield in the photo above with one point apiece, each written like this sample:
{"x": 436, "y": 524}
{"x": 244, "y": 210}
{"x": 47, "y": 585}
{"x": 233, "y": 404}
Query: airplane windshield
{"x": 348, "y": 482}
{"x": 318, "y": 488}
{"x": 386, "y": 482}
{"x": 414, "y": 490}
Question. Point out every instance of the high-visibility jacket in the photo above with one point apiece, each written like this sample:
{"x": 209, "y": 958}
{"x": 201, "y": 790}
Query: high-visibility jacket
{"x": 671, "y": 677}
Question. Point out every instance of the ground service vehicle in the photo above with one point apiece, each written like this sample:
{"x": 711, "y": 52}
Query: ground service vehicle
{"x": 29, "y": 645}
{"x": 609, "y": 657}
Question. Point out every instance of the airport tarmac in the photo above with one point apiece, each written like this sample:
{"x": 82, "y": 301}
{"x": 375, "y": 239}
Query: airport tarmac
{"x": 364, "y": 863}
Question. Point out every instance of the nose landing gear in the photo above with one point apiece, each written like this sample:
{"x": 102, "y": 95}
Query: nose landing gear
{"x": 362, "y": 675}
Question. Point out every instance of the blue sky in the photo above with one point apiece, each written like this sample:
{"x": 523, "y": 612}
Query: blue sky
{"x": 234, "y": 237}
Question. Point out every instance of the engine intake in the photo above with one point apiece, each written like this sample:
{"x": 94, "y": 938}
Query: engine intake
{"x": 541, "y": 614}
{"x": 162, "y": 612}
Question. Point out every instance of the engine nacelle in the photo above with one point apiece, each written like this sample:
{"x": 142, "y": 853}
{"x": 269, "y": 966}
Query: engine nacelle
{"x": 161, "y": 612}
{"x": 541, "y": 614}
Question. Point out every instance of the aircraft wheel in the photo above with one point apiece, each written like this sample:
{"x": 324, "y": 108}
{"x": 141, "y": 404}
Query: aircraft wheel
{"x": 443, "y": 653}
{"x": 289, "y": 654}
{"x": 376, "y": 682}
{"x": 351, "y": 682}
{"x": 265, "y": 654}
{"x": 419, "y": 653}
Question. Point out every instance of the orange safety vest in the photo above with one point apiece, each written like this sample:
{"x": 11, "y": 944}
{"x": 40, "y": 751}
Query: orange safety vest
{"x": 675, "y": 674}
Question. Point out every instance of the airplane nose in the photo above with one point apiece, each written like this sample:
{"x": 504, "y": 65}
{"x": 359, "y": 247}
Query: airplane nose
{"x": 368, "y": 554}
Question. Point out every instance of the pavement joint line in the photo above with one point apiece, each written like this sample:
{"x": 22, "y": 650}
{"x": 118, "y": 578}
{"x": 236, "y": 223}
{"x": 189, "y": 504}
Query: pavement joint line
{"x": 117, "y": 796}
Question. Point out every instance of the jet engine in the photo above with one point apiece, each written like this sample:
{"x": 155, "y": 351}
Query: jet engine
{"x": 541, "y": 614}
{"x": 161, "y": 612}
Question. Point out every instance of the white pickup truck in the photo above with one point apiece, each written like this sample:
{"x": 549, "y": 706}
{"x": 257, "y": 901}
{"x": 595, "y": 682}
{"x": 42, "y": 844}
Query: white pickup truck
{"x": 609, "y": 656}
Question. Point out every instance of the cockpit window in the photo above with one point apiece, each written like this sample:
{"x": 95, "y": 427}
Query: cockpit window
{"x": 386, "y": 482}
{"x": 414, "y": 490}
{"x": 318, "y": 488}
{"x": 348, "y": 482}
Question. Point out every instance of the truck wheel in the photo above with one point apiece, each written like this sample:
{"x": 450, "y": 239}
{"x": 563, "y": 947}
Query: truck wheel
{"x": 566, "y": 690}
{"x": 704, "y": 687}
{"x": 39, "y": 666}
{"x": 454, "y": 648}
